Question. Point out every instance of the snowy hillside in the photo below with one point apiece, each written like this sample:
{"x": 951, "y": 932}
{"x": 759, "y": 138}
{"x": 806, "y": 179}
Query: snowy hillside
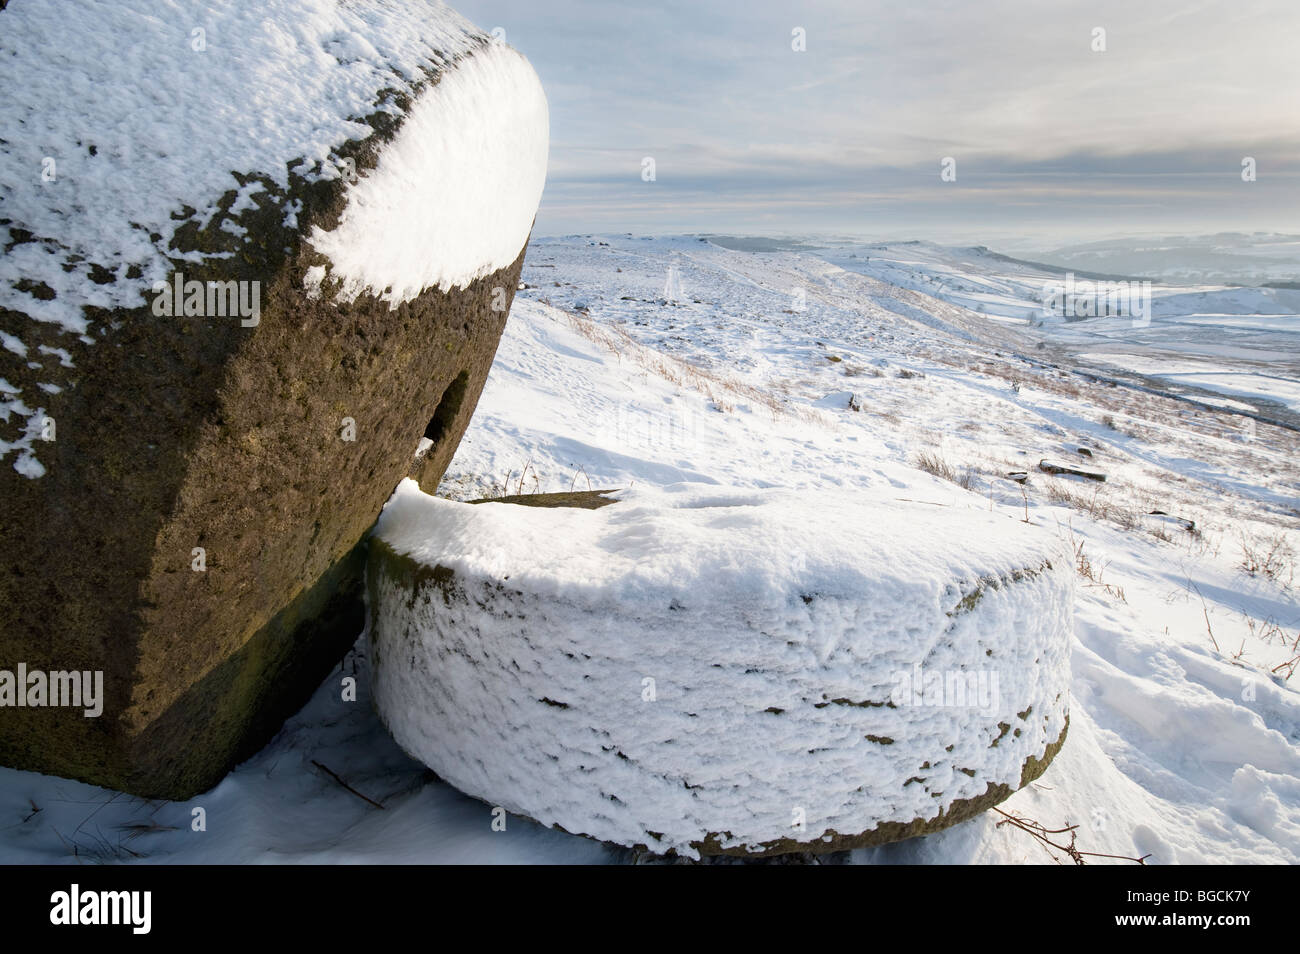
{"x": 632, "y": 361}
{"x": 1252, "y": 259}
{"x": 1198, "y": 340}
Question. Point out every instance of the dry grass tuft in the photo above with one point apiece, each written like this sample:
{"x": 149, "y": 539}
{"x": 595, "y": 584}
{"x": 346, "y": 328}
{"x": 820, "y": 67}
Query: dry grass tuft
{"x": 933, "y": 463}
{"x": 1091, "y": 572}
{"x": 1272, "y": 557}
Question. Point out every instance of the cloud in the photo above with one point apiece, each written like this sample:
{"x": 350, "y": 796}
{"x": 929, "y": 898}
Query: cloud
{"x": 884, "y": 91}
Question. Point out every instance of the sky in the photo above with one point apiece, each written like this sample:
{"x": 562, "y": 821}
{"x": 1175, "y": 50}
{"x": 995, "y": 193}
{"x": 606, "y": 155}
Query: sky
{"x": 1056, "y": 131}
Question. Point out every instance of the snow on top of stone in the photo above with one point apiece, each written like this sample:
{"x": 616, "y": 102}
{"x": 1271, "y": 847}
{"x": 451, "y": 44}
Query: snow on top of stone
{"x": 454, "y": 195}
{"x": 115, "y": 115}
{"x": 700, "y": 543}
{"x": 795, "y": 639}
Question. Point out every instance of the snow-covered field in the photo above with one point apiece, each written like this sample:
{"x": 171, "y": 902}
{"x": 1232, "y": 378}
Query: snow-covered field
{"x": 1249, "y": 258}
{"x": 632, "y": 361}
{"x": 1196, "y": 340}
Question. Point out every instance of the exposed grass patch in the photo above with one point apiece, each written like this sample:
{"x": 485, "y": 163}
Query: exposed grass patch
{"x": 1272, "y": 558}
{"x": 932, "y": 462}
{"x": 1091, "y": 501}
{"x": 1091, "y": 572}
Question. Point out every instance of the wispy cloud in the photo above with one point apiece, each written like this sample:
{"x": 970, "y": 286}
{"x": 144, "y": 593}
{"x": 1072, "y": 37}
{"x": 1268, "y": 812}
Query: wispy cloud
{"x": 858, "y": 124}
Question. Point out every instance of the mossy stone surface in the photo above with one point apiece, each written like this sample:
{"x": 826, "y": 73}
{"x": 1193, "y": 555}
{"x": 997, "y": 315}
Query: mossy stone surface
{"x": 176, "y": 433}
{"x": 889, "y": 832}
{"x": 580, "y": 499}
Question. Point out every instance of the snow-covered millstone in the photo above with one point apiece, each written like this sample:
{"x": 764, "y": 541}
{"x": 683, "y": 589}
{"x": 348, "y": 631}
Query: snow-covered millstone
{"x": 702, "y": 670}
{"x": 252, "y": 256}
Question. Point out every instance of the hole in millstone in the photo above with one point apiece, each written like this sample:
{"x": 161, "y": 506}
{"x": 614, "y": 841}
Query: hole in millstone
{"x": 448, "y": 408}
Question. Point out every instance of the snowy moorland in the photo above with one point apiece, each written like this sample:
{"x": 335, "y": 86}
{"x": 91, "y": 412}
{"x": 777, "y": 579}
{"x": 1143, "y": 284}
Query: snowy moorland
{"x": 909, "y": 370}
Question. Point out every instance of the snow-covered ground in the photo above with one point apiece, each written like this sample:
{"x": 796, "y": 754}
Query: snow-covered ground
{"x": 1194, "y": 340}
{"x": 1249, "y": 258}
{"x": 632, "y": 361}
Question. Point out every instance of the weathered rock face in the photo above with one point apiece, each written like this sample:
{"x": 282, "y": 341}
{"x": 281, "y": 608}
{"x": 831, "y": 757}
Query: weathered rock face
{"x": 713, "y": 671}
{"x": 185, "y": 486}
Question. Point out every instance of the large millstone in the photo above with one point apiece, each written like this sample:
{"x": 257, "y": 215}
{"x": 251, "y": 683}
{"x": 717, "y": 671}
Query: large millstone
{"x": 182, "y": 495}
{"x": 710, "y": 671}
